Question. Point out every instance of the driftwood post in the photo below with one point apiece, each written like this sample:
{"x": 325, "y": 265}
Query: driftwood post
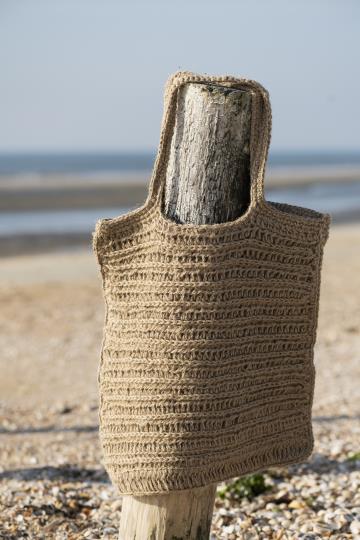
{"x": 207, "y": 181}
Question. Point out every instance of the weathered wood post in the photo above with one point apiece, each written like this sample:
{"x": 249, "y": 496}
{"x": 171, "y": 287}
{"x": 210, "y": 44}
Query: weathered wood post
{"x": 207, "y": 181}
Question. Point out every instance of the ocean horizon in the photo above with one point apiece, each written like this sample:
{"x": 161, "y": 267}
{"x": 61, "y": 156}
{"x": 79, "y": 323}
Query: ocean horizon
{"x": 81, "y": 163}
{"x": 25, "y": 179}
{"x": 341, "y": 200}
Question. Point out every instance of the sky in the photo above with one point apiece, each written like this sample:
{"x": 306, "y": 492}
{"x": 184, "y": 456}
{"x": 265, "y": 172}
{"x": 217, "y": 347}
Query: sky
{"x": 89, "y": 75}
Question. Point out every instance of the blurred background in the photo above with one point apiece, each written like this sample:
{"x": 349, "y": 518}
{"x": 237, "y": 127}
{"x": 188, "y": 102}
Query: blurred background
{"x": 81, "y": 99}
{"x": 81, "y": 103}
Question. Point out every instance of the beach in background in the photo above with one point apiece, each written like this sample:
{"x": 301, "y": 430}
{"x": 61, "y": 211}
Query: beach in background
{"x": 53, "y": 483}
{"x": 52, "y": 479}
{"x": 51, "y": 202}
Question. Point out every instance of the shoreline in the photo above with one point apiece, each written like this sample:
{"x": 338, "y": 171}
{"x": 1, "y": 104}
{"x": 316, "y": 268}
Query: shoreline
{"x": 69, "y": 243}
{"x": 24, "y": 201}
{"x": 56, "y": 192}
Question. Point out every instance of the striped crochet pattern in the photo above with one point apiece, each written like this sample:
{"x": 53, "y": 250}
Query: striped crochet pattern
{"x": 206, "y": 368}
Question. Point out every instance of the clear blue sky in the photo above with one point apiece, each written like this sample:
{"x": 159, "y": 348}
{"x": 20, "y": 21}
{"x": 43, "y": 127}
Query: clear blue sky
{"x": 85, "y": 75}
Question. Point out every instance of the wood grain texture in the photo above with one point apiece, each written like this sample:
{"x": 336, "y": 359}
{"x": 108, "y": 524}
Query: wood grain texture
{"x": 179, "y": 515}
{"x": 207, "y": 181}
{"x": 208, "y": 170}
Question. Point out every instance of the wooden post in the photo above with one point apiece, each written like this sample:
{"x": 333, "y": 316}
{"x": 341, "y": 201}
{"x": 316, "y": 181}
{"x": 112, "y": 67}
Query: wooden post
{"x": 207, "y": 181}
{"x": 208, "y": 174}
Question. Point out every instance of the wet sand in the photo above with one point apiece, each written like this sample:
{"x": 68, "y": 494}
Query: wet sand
{"x": 126, "y": 190}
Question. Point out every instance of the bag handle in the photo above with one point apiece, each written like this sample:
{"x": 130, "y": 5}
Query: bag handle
{"x": 261, "y": 123}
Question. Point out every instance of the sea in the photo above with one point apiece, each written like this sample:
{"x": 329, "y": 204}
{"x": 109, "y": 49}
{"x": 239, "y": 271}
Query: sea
{"x": 340, "y": 197}
{"x": 83, "y": 163}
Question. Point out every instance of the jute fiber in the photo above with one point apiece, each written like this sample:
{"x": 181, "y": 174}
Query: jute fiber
{"x": 206, "y": 369}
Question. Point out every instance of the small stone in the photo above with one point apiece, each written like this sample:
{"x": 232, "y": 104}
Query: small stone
{"x": 322, "y": 529}
{"x": 116, "y": 505}
{"x": 223, "y": 512}
{"x": 110, "y": 530}
{"x": 245, "y": 524}
{"x": 282, "y": 496}
{"x": 65, "y": 409}
{"x": 337, "y": 448}
{"x": 355, "y": 527}
{"x": 307, "y": 527}
{"x": 297, "y": 505}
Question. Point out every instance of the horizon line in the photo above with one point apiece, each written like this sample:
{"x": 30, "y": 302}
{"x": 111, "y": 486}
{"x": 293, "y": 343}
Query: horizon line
{"x": 149, "y": 152}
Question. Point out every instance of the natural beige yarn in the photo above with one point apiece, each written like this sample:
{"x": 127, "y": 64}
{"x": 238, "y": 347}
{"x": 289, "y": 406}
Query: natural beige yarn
{"x": 206, "y": 368}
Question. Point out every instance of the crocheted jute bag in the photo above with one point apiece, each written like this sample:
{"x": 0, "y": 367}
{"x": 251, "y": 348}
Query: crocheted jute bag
{"x": 206, "y": 369}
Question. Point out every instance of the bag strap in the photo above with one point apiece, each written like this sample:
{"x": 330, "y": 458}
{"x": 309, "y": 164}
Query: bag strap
{"x": 261, "y": 122}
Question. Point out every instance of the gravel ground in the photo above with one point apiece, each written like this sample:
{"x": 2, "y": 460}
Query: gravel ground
{"x": 52, "y": 483}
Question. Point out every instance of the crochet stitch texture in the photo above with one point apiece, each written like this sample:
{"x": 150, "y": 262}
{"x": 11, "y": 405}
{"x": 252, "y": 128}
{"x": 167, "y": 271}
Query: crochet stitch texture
{"x": 206, "y": 368}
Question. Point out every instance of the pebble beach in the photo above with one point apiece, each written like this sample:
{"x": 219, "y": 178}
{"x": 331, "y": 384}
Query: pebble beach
{"x": 52, "y": 482}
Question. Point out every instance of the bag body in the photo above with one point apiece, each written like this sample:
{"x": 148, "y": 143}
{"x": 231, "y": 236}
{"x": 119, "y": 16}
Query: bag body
{"x": 206, "y": 368}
